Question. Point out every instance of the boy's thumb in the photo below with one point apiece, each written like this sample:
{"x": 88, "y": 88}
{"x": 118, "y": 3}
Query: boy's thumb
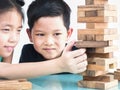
{"x": 69, "y": 46}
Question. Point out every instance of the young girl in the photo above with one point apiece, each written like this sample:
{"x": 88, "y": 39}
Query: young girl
{"x": 11, "y": 17}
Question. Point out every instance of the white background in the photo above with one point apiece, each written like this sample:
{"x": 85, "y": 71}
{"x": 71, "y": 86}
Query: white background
{"x": 73, "y": 5}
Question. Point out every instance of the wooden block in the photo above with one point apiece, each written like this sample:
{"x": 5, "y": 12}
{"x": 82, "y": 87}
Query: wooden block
{"x": 92, "y": 13}
{"x": 108, "y": 63}
{"x": 102, "y": 49}
{"x": 106, "y": 37}
{"x": 97, "y": 37}
{"x": 15, "y": 85}
{"x": 101, "y": 55}
{"x": 90, "y": 44}
{"x": 97, "y": 84}
{"x": 117, "y": 74}
{"x": 118, "y": 70}
{"x": 10, "y": 86}
{"x": 97, "y": 26}
{"x": 95, "y": 2}
{"x": 100, "y": 19}
{"x": 107, "y": 13}
{"x": 81, "y": 14}
{"x": 26, "y": 85}
{"x": 86, "y": 37}
{"x": 97, "y": 13}
{"x": 97, "y": 31}
{"x": 102, "y": 78}
{"x": 102, "y": 61}
{"x": 106, "y": 49}
{"x": 97, "y": 7}
{"x": 96, "y": 67}
{"x": 93, "y": 73}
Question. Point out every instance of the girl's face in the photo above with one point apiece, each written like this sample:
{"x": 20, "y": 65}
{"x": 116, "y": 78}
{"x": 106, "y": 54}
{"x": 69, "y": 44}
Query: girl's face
{"x": 49, "y": 36}
{"x": 10, "y": 27}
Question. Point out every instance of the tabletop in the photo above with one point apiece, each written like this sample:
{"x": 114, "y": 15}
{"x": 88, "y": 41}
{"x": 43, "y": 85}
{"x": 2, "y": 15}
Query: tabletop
{"x": 60, "y": 82}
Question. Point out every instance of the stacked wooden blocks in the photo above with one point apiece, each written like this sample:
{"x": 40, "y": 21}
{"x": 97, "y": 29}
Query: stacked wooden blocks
{"x": 98, "y": 39}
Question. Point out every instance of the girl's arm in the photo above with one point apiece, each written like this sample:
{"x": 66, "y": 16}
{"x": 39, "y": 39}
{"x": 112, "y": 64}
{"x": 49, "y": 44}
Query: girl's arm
{"x": 69, "y": 61}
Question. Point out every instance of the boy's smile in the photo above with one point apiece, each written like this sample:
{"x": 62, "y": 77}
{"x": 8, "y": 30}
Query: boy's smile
{"x": 49, "y": 36}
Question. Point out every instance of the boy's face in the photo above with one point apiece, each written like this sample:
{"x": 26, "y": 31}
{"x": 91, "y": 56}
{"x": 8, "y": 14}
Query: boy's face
{"x": 49, "y": 36}
{"x": 10, "y": 26}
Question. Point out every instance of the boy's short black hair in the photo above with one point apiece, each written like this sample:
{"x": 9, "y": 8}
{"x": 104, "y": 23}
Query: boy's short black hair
{"x": 48, "y": 8}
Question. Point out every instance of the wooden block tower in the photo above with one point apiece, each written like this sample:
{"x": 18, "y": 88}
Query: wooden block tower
{"x": 98, "y": 38}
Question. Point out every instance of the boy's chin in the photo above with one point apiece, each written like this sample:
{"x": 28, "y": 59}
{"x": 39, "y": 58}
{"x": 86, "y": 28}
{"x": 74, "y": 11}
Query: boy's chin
{"x": 51, "y": 57}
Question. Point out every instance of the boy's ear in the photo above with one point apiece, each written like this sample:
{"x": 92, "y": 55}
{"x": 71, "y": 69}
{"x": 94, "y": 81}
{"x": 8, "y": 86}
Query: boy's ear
{"x": 29, "y": 34}
{"x": 70, "y": 32}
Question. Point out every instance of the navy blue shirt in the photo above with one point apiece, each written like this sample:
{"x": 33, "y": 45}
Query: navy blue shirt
{"x": 29, "y": 54}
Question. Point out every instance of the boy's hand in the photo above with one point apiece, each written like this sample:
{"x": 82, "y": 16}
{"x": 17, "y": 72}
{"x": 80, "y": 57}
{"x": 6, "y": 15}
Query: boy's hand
{"x": 73, "y": 61}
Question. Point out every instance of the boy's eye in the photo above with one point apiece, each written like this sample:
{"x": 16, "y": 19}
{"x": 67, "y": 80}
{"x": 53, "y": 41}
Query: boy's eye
{"x": 40, "y": 34}
{"x": 56, "y": 34}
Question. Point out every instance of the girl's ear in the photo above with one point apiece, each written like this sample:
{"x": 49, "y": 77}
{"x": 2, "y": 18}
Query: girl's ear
{"x": 29, "y": 34}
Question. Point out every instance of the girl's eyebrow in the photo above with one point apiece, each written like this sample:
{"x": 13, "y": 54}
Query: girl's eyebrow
{"x": 11, "y": 25}
{"x": 20, "y": 26}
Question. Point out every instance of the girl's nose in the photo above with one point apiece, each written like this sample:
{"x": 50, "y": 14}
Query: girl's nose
{"x": 13, "y": 38}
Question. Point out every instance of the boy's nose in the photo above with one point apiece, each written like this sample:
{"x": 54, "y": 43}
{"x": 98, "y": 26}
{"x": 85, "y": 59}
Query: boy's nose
{"x": 49, "y": 41}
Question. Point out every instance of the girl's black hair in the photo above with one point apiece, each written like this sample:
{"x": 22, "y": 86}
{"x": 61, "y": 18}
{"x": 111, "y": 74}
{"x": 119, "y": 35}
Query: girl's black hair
{"x": 7, "y": 5}
{"x": 20, "y": 2}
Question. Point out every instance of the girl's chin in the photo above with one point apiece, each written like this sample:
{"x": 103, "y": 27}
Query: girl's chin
{"x": 7, "y": 55}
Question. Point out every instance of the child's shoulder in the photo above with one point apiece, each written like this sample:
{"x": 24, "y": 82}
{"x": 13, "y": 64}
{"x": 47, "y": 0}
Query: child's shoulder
{"x": 28, "y": 46}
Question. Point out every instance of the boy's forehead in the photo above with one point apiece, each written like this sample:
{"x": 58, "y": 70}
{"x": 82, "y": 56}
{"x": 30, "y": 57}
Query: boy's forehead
{"x": 55, "y": 23}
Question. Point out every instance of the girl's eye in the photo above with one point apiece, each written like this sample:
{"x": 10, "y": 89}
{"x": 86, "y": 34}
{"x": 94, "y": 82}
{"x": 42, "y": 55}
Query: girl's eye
{"x": 19, "y": 30}
{"x": 5, "y": 30}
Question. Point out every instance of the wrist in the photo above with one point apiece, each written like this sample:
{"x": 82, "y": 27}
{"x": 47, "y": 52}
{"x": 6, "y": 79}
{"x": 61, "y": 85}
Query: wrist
{"x": 60, "y": 65}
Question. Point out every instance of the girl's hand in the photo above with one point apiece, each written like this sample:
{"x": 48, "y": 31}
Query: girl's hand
{"x": 73, "y": 61}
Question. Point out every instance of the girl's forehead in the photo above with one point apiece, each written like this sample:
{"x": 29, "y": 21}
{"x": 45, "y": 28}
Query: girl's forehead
{"x": 11, "y": 17}
{"x": 10, "y": 12}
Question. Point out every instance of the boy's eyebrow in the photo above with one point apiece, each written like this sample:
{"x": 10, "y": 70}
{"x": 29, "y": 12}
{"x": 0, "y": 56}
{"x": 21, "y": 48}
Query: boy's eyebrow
{"x": 38, "y": 30}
